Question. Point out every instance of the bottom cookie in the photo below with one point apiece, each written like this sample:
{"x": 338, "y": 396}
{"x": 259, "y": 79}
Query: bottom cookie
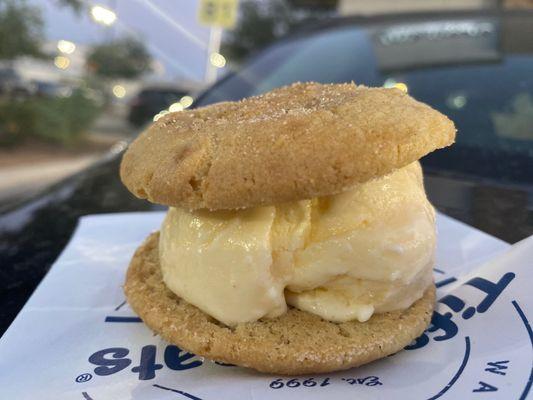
{"x": 294, "y": 343}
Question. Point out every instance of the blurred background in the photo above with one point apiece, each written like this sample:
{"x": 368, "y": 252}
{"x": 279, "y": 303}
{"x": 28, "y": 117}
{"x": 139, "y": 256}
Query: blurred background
{"x": 79, "y": 78}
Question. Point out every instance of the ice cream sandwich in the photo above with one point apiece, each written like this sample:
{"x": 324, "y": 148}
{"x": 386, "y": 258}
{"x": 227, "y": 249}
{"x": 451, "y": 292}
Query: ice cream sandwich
{"x": 299, "y": 238}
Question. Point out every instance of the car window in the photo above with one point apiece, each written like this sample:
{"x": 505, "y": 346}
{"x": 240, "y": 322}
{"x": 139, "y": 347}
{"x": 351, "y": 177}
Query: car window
{"x": 491, "y": 103}
{"x": 488, "y": 94}
{"x": 338, "y": 55}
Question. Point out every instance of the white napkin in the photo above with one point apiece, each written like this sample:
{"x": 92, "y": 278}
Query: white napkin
{"x": 77, "y": 339}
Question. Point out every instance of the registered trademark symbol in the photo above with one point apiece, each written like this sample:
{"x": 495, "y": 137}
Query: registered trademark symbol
{"x": 83, "y": 377}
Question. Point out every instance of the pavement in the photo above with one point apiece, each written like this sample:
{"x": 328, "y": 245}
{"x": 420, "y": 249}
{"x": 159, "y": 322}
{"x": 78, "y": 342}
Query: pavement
{"x": 29, "y": 179}
{"x": 33, "y": 170}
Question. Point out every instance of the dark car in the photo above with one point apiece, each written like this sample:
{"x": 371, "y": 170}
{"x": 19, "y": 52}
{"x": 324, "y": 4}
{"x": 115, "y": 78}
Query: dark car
{"x": 150, "y": 101}
{"x": 475, "y": 67}
{"x": 13, "y": 86}
{"x": 51, "y": 89}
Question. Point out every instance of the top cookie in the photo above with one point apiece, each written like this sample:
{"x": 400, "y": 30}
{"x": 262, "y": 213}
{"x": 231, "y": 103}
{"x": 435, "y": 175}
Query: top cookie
{"x": 295, "y": 142}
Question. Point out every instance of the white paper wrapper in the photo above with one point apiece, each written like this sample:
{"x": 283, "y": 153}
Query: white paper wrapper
{"x": 76, "y": 339}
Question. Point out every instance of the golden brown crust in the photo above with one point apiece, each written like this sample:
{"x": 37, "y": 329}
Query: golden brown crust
{"x": 299, "y": 141}
{"x": 295, "y": 343}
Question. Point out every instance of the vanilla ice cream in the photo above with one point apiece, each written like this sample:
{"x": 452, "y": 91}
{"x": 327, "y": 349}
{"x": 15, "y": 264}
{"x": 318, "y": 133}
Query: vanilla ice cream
{"x": 342, "y": 257}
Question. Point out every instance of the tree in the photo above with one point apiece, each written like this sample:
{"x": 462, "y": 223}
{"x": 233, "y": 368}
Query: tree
{"x": 121, "y": 58}
{"x": 260, "y": 23}
{"x": 76, "y": 5}
{"x": 21, "y": 30}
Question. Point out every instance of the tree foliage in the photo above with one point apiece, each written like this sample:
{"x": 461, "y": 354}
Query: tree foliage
{"x": 55, "y": 119}
{"x": 21, "y": 30}
{"x": 76, "y": 5}
{"x": 260, "y": 23}
{"x": 21, "y": 27}
{"x": 121, "y": 58}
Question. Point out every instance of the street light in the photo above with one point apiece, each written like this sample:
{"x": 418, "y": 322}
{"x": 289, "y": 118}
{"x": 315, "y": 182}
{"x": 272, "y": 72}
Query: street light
{"x": 66, "y": 46}
{"x": 160, "y": 114}
{"x": 186, "y": 101}
{"x": 217, "y": 60}
{"x": 103, "y": 15}
{"x": 174, "y": 107}
{"x": 61, "y": 62}
{"x": 401, "y": 86}
{"x": 392, "y": 83}
{"x": 119, "y": 91}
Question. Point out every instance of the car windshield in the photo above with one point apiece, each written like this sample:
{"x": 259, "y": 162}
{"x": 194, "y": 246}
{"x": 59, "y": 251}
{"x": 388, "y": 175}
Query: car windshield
{"x": 463, "y": 68}
{"x": 160, "y": 95}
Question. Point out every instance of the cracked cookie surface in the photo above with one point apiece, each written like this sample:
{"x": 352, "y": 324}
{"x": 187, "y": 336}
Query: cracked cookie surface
{"x": 296, "y": 142}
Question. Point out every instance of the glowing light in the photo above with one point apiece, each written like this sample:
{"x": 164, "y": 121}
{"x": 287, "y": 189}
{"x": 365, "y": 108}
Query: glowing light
{"x": 389, "y": 83}
{"x": 103, "y": 15}
{"x": 161, "y": 114}
{"x": 401, "y": 86}
{"x": 393, "y": 83}
{"x": 175, "y": 107}
{"x": 456, "y": 101}
{"x": 118, "y": 147}
{"x": 66, "y": 46}
{"x": 61, "y": 62}
{"x": 186, "y": 101}
{"x": 459, "y": 101}
{"x": 119, "y": 91}
{"x": 217, "y": 60}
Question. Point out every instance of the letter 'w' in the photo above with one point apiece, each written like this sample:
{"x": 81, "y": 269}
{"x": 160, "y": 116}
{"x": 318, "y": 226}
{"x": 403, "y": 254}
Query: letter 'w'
{"x": 496, "y": 366}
